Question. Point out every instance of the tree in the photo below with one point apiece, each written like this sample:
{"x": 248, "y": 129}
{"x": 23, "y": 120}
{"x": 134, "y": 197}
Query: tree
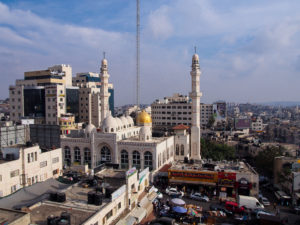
{"x": 211, "y": 121}
{"x": 264, "y": 161}
{"x": 215, "y": 151}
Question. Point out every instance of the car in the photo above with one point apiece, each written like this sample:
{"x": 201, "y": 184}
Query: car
{"x": 199, "y": 197}
{"x": 174, "y": 193}
{"x": 234, "y": 207}
{"x": 215, "y": 207}
{"x": 265, "y": 201}
{"x": 263, "y": 212}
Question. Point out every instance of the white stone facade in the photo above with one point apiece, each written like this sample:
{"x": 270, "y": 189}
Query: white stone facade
{"x": 29, "y": 166}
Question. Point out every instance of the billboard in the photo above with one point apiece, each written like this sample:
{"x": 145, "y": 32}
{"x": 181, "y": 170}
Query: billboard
{"x": 219, "y": 111}
{"x": 201, "y": 176}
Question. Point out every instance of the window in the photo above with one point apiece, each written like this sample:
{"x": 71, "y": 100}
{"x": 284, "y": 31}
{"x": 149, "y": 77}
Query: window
{"x": 148, "y": 160}
{"x": 28, "y": 157}
{"x": 77, "y": 156}
{"x": 35, "y": 156}
{"x": 177, "y": 149}
{"x": 182, "y": 150}
{"x": 109, "y": 214}
{"x": 55, "y": 160}
{"x": 124, "y": 159}
{"x": 105, "y": 154}
{"x": 14, "y": 173}
{"x": 0, "y": 178}
{"x": 136, "y": 160}
{"x": 87, "y": 156}
{"x": 43, "y": 164}
{"x": 119, "y": 205}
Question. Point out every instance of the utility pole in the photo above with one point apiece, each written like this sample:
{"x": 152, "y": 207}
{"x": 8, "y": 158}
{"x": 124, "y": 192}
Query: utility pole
{"x": 138, "y": 53}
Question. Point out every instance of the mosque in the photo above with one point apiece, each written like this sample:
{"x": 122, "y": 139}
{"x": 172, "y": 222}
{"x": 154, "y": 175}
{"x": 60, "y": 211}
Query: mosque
{"x": 120, "y": 141}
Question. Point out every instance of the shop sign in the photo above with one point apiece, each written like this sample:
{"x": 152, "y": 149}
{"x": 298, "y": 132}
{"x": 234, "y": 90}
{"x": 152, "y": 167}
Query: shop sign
{"x": 192, "y": 175}
{"x": 243, "y": 183}
{"x": 118, "y": 192}
{"x": 130, "y": 172}
{"x": 225, "y": 178}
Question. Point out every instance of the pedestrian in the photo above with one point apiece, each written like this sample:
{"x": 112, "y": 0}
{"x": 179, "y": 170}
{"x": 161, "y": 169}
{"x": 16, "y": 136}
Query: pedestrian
{"x": 274, "y": 205}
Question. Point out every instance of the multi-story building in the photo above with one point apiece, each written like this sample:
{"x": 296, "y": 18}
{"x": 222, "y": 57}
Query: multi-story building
{"x": 175, "y": 110}
{"x": 13, "y": 135}
{"x": 89, "y": 97}
{"x": 41, "y": 94}
{"x": 23, "y": 166}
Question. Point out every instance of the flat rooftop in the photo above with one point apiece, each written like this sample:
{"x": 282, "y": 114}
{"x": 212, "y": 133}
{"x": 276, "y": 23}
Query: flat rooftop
{"x": 76, "y": 204}
{"x": 7, "y": 216}
{"x": 228, "y": 166}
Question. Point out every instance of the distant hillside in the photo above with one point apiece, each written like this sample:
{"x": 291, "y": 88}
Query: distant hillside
{"x": 284, "y": 104}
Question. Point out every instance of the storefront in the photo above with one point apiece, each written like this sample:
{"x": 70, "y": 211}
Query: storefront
{"x": 226, "y": 184}
{"x": 243, "y": 187}
{"x": 191, "y": 180}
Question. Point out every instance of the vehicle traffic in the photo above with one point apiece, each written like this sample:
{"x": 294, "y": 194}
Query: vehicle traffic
{"x": 199, "y": 197}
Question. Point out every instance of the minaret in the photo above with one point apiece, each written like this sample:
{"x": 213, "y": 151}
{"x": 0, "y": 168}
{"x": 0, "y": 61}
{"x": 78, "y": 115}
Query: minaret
{"x": 195, "y": 96}
{"x": 104, "y": 95}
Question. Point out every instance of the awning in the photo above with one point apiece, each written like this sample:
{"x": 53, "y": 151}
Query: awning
{"x": 178, "y": 201}
{"x": 297, "y": 195}
{"x": 152, "y": 196}
{"x": 139, "y": 214}
{"x": 127, "y": 221}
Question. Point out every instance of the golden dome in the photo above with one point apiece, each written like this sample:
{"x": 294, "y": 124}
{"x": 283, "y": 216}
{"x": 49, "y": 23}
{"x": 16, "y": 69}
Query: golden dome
{"x": 143, "y": 118}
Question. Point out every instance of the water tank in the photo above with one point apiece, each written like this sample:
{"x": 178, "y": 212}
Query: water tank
{"x": 66, "y": 216}
{"x": 61, "y": 197}
{"x": 53, "y": 196}
{"x": 91, "y": 197}
{"x": 63, "y": 222}
{"x": 98, "y": 199}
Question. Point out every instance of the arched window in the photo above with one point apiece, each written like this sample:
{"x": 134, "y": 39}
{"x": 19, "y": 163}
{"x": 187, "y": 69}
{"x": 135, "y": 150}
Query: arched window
{"x": 124, "y": 159}
{"x": 182, "y": 150}
{"x": 67, "y": 154}
{"x": 136, "y": 160}
{"x": 112, "y": 130}
{"x": 105, "y": 154}
{"x": 177, "y": 149}
{"x": 148, "y": 160}
{"x": 87, "y": 156}
{"x": 77, "y": 156}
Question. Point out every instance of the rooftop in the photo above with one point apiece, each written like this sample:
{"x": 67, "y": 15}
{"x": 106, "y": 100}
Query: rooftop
{"x": 219, "y": 166}
{"x": 7, "y": 216}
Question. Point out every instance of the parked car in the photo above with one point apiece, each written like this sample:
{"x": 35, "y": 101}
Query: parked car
{"x": 199, "y": 197}
{"x": 215, "y": 207}
{"x": 259, "y": 212}
{"x": 234, "y": 207}
{"x": 174, "y": 193}
{"x": 265, "y": 201}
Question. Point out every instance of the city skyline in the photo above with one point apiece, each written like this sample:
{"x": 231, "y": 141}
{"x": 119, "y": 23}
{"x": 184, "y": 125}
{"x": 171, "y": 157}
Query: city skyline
{"x": 248, "y": 52}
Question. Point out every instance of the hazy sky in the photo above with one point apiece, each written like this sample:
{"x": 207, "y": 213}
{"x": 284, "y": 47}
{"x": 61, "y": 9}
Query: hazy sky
{"x": 249, "y": 50}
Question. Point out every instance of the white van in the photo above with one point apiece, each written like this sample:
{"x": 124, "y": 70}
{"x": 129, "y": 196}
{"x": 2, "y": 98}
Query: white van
{"x": 249, "y": 202}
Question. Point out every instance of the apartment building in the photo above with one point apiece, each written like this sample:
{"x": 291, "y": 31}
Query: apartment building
{"x": 23, "y": 166}
{"x": 89, "y": 97}
{"x": 41, "y": 94}
{"x": 175, "y": 110}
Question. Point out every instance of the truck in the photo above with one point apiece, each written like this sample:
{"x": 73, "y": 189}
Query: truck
{"x": 249, "y": 202}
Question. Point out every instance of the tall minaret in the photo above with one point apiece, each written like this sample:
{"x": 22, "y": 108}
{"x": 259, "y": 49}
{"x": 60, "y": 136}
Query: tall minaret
{"x": 104, "y": 95}
{"x": 195, "y": 96}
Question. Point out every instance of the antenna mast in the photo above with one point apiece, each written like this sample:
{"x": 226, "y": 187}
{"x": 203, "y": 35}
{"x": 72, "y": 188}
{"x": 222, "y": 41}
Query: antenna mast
{"x": 138, "y": 53}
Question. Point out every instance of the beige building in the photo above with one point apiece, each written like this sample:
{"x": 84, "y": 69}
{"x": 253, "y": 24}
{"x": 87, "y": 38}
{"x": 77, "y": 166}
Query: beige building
{"x": 41, "y": 94}
{"x": 175, "y": 110}
{"x": 23, "y": 166}
{"x": 121, "y": 205}
{"x": 89, "y": 97}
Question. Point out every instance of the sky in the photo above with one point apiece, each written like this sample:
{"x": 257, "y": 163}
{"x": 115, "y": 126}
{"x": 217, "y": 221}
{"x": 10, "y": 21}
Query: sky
{"x": 249, "y": 50}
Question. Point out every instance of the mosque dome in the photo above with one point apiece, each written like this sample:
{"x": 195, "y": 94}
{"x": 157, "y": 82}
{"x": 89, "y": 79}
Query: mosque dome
{"x": 90, "y": 128}
{"x": 119, "y": 122}
{"x": 143, "y": 118}
{"x": 109, "y": 124}
{"x": 145, "y": 133}
{"x": 124, "y": 121}
{"x": 130, "y": 120}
